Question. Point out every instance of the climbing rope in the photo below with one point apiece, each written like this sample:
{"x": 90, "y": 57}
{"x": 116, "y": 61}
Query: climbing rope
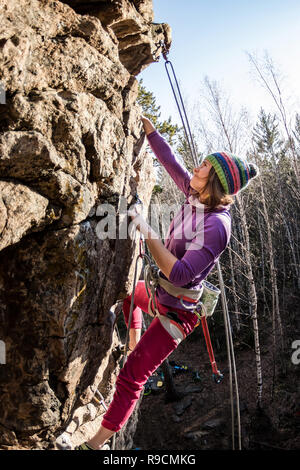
{"x": 231, "y": 362}
{"x": 229, "y": 342}
{"x": 150, "y": 284}
{"x": 141, "y": 255}
{"x": 180, "y": 104}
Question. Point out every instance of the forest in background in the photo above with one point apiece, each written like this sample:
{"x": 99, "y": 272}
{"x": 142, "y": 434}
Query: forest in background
{"x": 261, "y": 265}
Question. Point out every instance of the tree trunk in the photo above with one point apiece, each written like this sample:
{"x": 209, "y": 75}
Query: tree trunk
{"x": 262, "y": 254}
{"x": 275, "y": 297}
{"x": 171, "y": 393}
{"x": 235, "y": 297}
{"x": 252, "y": 300}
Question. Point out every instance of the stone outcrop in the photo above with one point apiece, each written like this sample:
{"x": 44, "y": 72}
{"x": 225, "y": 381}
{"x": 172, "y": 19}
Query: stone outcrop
{"x": 71, "y": 139}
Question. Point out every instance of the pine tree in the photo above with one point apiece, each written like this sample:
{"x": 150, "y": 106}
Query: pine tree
{"x": 151, "y": 110}
{"x": 268, "y": 145}
{"x": 266, "y": 135}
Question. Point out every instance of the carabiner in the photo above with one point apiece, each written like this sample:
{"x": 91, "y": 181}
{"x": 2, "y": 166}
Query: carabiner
{"x": 190, "y": 307}
{"x": 164, "y": 50}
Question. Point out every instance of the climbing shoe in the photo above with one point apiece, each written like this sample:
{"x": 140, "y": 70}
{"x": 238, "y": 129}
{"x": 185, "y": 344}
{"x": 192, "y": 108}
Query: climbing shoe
{"x": 83, "y": 446}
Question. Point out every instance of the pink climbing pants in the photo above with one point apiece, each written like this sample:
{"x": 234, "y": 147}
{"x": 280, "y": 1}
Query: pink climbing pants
{"x": 155, "y": 345}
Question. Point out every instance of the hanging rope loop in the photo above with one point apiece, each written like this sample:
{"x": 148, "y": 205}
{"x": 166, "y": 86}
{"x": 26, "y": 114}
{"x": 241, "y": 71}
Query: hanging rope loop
{"x": 180, "y": 105}
{"x": 229, "y": 342}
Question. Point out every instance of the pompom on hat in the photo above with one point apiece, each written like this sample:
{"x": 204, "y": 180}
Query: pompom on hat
{"x": 233, "y": 172}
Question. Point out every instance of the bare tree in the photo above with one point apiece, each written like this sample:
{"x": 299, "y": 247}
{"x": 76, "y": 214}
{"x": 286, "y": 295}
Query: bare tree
{"x": 269, "y": 77}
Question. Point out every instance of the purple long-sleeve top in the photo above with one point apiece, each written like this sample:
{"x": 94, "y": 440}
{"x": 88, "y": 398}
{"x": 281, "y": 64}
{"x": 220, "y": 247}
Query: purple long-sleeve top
{"x": 196, "y": 236}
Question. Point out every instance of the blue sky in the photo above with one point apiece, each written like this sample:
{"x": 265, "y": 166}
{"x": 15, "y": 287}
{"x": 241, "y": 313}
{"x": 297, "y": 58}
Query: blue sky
{"x": 210, "y": 38}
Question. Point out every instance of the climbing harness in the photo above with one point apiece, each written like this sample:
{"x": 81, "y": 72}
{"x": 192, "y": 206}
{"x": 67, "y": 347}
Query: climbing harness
{"x": 203, "y": 303}
{"x": 229, "y": 342}
{"x": 204, "y": 300}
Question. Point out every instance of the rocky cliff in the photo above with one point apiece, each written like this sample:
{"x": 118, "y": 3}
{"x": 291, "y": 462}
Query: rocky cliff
{"x": 70, "y": 140}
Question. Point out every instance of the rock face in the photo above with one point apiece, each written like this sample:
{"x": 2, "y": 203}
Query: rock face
{"x": 70, "y": 140}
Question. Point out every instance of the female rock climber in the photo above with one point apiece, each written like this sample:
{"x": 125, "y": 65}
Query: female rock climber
{"x": 183, "y": 260}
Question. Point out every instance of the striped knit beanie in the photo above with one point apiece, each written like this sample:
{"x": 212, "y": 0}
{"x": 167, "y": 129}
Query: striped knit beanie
{"x": 233, "y": 172}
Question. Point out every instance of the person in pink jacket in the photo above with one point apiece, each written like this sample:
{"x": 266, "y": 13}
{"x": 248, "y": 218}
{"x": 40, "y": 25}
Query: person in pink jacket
{"x": 197, "y": 236}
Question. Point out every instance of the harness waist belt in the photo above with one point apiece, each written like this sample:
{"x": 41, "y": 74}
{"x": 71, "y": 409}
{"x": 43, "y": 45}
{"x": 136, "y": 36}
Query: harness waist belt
{"x": 189, "y": 295}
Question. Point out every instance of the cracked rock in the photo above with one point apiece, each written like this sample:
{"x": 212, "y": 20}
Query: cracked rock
{"x": 70, "y": 139}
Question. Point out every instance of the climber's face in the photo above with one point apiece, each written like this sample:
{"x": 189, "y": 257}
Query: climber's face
{"x": 200, "y": 175}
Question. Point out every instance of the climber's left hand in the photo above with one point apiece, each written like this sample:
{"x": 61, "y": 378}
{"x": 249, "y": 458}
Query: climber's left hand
{"x": 140, "y": 223}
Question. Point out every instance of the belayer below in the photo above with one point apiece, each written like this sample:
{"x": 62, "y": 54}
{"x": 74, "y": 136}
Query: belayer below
{"x": 196, "y": 237}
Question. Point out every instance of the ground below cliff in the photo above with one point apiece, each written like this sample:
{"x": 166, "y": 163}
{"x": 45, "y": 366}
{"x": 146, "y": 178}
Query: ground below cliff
{"x": 202, "y": 419}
